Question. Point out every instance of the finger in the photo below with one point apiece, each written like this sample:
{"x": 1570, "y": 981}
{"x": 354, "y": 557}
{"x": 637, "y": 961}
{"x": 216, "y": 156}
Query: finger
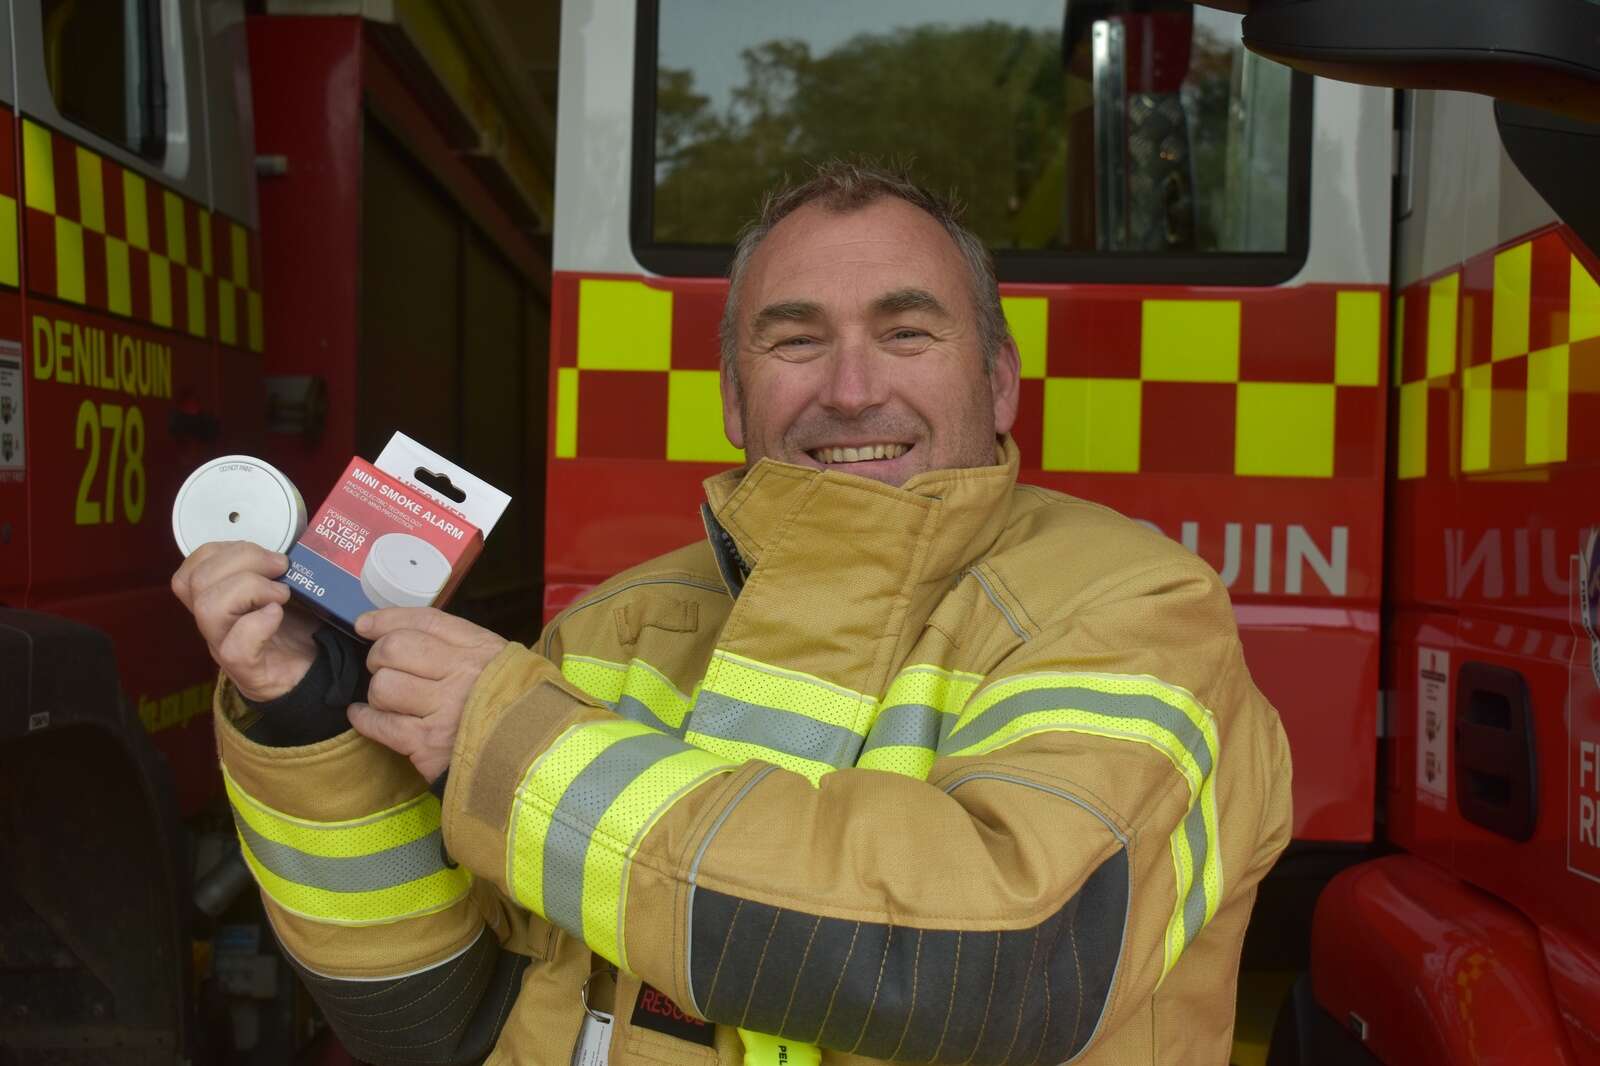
{"x": 234, "y": 557}
{"x": 398, "y": 692}
{"x": 413, "y": 652}
{"x": 447, "y": 627}
{"x": 247, "y": 640}
{"x": 395, "y": 732}
{"x": 218, "y": 607}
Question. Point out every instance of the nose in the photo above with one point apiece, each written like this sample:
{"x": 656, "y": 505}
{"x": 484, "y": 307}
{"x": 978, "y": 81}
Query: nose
{"x": 856, "y": 382}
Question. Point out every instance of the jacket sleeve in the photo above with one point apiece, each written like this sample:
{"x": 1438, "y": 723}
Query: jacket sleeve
{"x": 406, "y": 955}
{"x": 1083, "y": 813}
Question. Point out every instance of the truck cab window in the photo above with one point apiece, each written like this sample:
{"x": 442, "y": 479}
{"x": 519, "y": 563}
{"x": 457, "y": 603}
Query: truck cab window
{"x": 1090, "y": 126}
{"x": 103, "y": 62}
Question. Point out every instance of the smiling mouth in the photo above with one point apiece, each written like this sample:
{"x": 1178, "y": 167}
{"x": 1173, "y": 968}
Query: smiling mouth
{"x": 860, "y": 454}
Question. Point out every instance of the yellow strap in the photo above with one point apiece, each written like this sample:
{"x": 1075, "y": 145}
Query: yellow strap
{"x": 763, "y": 1050}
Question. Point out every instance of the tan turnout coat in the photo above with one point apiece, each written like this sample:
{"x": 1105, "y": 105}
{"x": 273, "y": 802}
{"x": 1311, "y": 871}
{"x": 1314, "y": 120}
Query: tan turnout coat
{"x": 963, "y": 771}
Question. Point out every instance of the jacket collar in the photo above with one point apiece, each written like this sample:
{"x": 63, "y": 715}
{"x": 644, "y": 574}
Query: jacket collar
{"x": 750, "y": 506}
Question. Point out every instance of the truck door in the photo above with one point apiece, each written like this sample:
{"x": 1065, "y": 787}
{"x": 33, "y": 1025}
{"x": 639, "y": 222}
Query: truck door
{"x": 129, "y": 282}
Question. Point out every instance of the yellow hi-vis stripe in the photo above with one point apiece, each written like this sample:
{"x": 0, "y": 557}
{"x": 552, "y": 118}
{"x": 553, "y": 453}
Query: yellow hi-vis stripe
{"x": 1118, "y": 707}
{"x": 622, "y": 684}
{"x": 749, "y": 710}
{"x": 921, "y": 706}
{"x": 579, "y": 815}
{"x": 382, "y": 868}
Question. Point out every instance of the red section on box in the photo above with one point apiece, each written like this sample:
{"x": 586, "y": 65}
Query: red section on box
{"x": 367, "y": 503}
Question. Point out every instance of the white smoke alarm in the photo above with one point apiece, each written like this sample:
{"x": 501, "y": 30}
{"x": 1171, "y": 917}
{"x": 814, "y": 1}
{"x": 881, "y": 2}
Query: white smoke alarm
{"x": 238, "y": 497}
{"x": 404, "y": 571}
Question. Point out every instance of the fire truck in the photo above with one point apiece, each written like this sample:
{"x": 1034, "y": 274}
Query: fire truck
{"x": 281, "y": 234}
{"x": 1289, "y": 284}
{"x": 1339, "y": 339}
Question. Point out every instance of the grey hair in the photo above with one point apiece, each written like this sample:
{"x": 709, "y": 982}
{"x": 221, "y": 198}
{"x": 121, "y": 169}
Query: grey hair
{"x": 841, "y": 187}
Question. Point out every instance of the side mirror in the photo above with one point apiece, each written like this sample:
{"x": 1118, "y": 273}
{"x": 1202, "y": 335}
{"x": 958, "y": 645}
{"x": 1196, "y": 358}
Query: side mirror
{"x": 1537, "y": 53}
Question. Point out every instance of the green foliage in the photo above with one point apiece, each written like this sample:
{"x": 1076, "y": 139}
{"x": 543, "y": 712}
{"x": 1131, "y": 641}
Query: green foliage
{"x": 975, "y": 109}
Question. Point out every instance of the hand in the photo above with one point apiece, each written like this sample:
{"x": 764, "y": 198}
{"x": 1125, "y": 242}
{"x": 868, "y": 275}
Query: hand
{"x": 238, "y": 607}
{"x": 424, "y": 663}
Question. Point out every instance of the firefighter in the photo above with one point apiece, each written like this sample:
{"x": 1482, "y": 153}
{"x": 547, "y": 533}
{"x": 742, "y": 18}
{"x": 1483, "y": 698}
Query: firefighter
{"x": 904, "y": 761}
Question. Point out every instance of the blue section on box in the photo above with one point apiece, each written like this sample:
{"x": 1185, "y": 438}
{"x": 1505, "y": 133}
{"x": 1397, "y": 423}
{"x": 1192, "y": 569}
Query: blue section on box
{"x": 326, "y": 587}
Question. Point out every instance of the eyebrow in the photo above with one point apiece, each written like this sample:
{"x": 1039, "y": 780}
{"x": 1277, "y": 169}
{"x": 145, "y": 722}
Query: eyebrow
{"x": 784, "y": 311}
{"x": 903, "y": 300}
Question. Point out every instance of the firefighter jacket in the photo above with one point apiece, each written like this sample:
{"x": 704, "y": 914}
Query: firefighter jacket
{"x": 963, "y": 771}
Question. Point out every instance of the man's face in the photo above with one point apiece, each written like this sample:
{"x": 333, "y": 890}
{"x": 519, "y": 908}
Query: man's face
{"x": 859, "y": 349}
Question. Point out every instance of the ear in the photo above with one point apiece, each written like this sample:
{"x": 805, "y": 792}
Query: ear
{"x": 1006, "y": 382}
{"x": 732, "y": 410}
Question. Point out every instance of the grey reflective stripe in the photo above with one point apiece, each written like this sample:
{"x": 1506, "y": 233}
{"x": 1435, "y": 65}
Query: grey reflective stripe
{"x": 1109, "y": 704}
{"x": 1194, "y": 904}
{"x": 636, "y": 711}
{"x": 723, "y": 717}
{"x": 906, "y": 723}
{"x": 362, "y": 873}
{"x": 590, "y": 794}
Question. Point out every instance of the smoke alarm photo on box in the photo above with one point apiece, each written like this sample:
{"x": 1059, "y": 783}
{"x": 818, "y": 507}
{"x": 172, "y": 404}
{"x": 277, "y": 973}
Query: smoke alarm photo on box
{"x": 401, "y": 531}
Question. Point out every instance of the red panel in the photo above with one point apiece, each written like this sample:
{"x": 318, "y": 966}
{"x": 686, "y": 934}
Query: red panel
{"x": 1583, "y": 413}
{"x": 301, "y": 67}
{"x": 1358, "y": 432}
{"x": 116, "y": 207}
{"x": 40, "y": 257}
{"x": 139, "y": 282}
{"x": 622, "y": 414}
{"x": 1414, "y": 339}
{"x": 1094, "y": 336}
{"x": 696, "y": 311}
{"x": 94, "y": 268}
{"x": 155, "y": 215}
{"x": 65, "y": 163}
{"x": 1552, "y": 276}
{"x": 1187, "y": 428}
{"x": 1028, "y": 431}
{"x": 563, "y": 324}
{"x": 1288, "y": 335}
{"x": 1475, "y": 335}
{"x": 1509, "y": 422}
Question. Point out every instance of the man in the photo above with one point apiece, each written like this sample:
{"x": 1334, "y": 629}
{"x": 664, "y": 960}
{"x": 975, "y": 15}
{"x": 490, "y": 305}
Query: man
{"x": 904, "y": 762}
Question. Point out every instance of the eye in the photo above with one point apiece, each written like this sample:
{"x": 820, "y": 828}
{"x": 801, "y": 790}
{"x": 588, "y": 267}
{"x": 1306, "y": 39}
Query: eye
{"x": 907, "y": 333}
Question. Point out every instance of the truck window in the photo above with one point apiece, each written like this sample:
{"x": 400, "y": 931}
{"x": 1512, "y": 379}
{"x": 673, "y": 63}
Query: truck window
{"x": 103, "y": 62}
{"x": 1075, "y": 132}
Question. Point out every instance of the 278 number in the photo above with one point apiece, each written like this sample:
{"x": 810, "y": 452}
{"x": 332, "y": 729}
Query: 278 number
{"x": 124, "y": 454}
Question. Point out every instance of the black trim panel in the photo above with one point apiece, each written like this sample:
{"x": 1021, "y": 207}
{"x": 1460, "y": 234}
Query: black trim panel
{"x": 449, "y": 1015}
{"x": 908, "y": 994}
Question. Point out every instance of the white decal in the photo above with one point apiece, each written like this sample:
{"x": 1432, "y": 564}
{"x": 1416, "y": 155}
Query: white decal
{"x": 13, "y": 458}
{"x": 1433, "y": 727}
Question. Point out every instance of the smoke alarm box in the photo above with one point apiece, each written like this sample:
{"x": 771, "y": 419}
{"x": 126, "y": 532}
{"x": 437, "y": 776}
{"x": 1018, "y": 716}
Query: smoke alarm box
{"x": 398, "y": 532}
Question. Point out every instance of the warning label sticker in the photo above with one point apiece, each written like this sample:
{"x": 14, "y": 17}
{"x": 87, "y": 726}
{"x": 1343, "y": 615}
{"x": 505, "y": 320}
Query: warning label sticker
{"x": 1583, "y": 717}
{"x": 12, "y": 459}
{"x": 1433, "y": 727}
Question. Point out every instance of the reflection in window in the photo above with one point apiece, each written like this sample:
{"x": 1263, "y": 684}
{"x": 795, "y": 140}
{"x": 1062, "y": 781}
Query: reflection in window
{"x": 1074, "y": 126}
{"x": 103, "y": 62}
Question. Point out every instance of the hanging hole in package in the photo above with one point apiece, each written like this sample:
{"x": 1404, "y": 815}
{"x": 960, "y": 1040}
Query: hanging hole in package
{"x": 398, "y": 532}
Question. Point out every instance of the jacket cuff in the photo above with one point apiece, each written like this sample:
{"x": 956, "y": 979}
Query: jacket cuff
{"x": 343, "y": 777}
{"x": 516, "y": 710}
{"x": 314, "y": 709}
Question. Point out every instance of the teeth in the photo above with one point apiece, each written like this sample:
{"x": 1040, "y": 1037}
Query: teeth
{"x": 858, "y": 455}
